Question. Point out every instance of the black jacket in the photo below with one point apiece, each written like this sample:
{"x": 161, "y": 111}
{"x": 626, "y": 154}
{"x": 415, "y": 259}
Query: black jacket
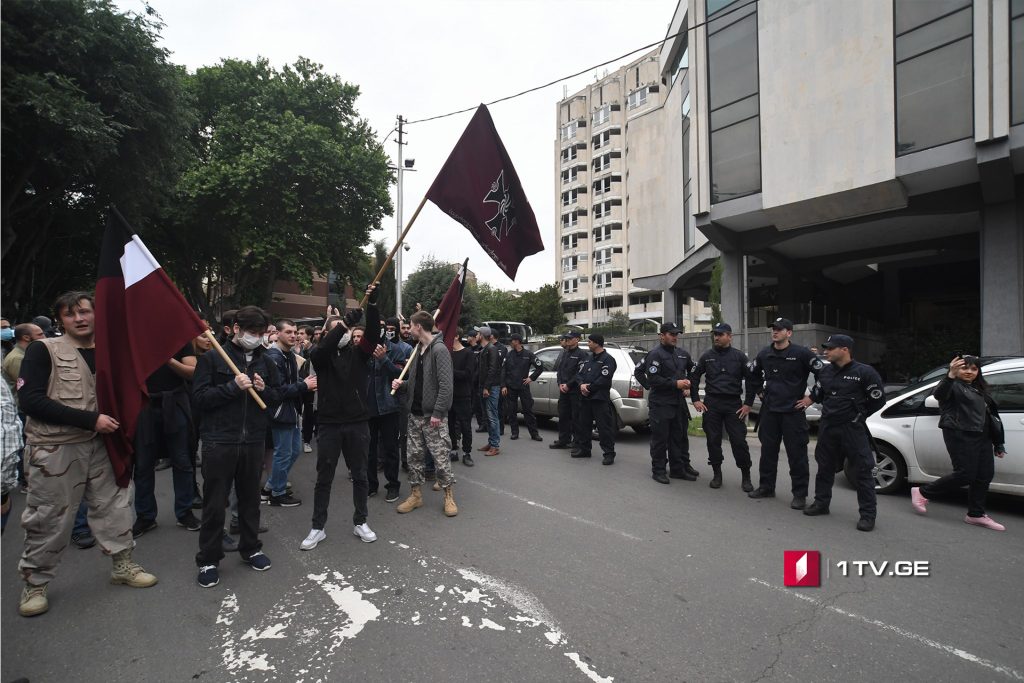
{"x": 597, "y": 371}
{"x": 725, "y": 371}
{"x": 568, "y": 366}
{"x": 966, "y": 409}
{"x": 293, "y": 390}
{"x": 848, "y": 394}
{"x": 229, "y": 414}
{"x": 464, "y": 372}
{"x": 518, "y": 366}
{"x": 660, "y": 369}
{"x": 489, "y": 370}
{"x": 782, "y": 375}
{"x": 343, "y": 375}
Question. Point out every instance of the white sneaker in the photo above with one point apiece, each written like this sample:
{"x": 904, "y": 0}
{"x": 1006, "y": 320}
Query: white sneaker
{"x": 306, "y": 448}
{"x": 365, "y": 533}
{"x": 313, "y": 540}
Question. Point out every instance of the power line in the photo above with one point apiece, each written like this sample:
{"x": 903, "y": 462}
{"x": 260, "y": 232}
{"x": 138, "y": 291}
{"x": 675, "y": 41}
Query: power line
{"x": 589, "y": 68}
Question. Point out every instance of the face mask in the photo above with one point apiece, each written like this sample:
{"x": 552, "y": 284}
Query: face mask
{"x": 345, "y": 339}
{"x": 7, "y": 334}
{"x": 249, "y": 341}
{"x": 390, "y": 335}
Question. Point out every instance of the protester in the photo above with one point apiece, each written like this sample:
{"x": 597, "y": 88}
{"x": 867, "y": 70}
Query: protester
{"x": 308, "y": 399}
{"x": 233, "y": 433}
{"x": 6, "y": 335}
{"x": 489, "y": 387}
{"x": 23, "y": 335}
{"x": 67, "y": 459}
{"x": 46, "y": 325}
{"x": 389, "y": 357}
{"x": 10, "y": 450}
{"x": 460, "y": 417}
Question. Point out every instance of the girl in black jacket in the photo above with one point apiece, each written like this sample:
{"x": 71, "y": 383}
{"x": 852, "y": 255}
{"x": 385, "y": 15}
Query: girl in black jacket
{"x": 972, "y": 437}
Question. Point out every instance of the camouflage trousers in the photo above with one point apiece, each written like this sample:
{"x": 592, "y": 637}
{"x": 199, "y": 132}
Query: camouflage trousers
{"x": 437, "y": 440}
{"x": 59, "y": 477}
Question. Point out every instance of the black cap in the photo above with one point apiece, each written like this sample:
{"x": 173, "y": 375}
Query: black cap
{"x": 597, "y": 339}
{"x": 836, "y": 341}
{"x": 393, "y": 321}
{"x": 571, "y": 334}
{"x": 43, "y": 322}
{"x": 669, "y": 328}
{"x": 515, "y": 336}
{"x": 782, "y": 324}
{"x": 722, "y": 327}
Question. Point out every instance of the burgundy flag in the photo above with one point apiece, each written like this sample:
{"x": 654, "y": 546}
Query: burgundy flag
{"x": 141, "y": 322}
{"x": 479, "y": 188}
{"x": 450, "y": 308}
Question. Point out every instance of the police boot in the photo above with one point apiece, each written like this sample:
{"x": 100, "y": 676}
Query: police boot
{"x": 747, "y": 486}
{"x": 716, "y": 479}
{"x": 129, "y": 573}
{"x": 450, "y": 508}
{"x": 414, "y": 501}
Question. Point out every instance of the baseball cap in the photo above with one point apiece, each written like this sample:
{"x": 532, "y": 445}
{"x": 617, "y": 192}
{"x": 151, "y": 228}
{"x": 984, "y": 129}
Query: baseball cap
{"x": 782, "y": 324}
{"x": 515, "y": 336}
{"x": 722, "y": 327}
{"x": 597, "y": 339}
{"x": 571, "y": 334}
{"x": 836, "y": 341}
{"x": 671, "y": 328}
{"x": 392, "y": 321}
{"x": 485, "y": 331}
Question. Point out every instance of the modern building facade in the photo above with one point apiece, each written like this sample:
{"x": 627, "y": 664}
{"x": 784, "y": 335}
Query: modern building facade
{"x": 858, "y": 165}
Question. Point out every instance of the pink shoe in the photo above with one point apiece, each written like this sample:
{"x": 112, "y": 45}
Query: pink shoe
{"x": 918, "y": 500}
{"x": 986, "y": 522}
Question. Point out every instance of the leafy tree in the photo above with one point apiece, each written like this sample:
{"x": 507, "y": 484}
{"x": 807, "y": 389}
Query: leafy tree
{"x": 541, "y": 309}
{"x": 386, "y": 288}
{"x": 93, "y": 113}
{"x": 427, "y": 286}
{"x": 496, "y": 304}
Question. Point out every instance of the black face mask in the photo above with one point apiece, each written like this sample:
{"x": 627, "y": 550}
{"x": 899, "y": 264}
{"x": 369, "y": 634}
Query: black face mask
{"x": 389, "y": 335}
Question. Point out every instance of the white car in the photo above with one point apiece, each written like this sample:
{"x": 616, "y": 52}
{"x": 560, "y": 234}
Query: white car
{"x": 910, "y": 446}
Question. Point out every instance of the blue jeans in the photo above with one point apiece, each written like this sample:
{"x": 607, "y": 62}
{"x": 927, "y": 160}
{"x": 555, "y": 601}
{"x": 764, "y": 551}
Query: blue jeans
{"x": 287, "y": 446}
{"x": 176, "y": 445}
{"x": 81, "y": 520}
{"x": 493, "y": 419}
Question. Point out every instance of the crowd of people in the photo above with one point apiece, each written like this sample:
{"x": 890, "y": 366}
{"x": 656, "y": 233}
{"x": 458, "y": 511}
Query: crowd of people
{"x": 387, "y": 395}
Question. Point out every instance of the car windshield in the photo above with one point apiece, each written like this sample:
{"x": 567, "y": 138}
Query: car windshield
{"x": 933, "y": 375}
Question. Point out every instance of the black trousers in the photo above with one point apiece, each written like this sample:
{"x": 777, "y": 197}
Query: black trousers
{"x": 721, "y": 416}
{"x": 791, "y": 429}
{"x": 353, "y": 440}
{"x": 224, "y": 466}
{"x": 403, "y": 434}
{"x": 568, "y": 407}
{"x": 848, "y": 440}
{"x": 595, "y": 411}
{"x": 523, "y": 396}
{"x": 308, "y": 419}
{"x": 974, "y": 465}
{"x": 383, "y": 448}
{"x": 669, "y": 442}
{"x": 460, "y": 423}
{"x": 478, "y": 407}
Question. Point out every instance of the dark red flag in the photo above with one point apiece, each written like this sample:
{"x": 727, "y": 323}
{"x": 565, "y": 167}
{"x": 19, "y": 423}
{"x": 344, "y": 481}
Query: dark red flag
{"x": 450, "y": 308}
{"x": 141, "y": 322}
{"x": 479, "y": 187}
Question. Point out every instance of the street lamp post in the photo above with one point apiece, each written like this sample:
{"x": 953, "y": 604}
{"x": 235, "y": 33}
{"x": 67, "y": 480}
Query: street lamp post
{"x": 398, "y": 221}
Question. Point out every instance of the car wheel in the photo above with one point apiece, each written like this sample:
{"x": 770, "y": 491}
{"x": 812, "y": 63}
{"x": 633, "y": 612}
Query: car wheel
{"x": 889, "y": 472}
{"x": 645, "y": 428}
{"x": 543, "y": 420}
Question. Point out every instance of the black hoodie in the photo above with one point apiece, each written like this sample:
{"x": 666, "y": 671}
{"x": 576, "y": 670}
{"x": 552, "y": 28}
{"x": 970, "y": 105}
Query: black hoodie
{"x": 342, "y": 374}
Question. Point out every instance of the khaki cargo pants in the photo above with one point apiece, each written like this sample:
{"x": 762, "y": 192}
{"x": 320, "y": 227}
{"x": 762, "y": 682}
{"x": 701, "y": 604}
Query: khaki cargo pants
{"x": 437, "y": 440}
{"x": 58, "y": 479}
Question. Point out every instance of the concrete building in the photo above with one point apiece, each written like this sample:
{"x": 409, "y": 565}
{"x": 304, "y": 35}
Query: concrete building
{"x": 854, "y": 165}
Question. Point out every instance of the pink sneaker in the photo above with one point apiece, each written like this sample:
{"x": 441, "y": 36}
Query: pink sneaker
{"x": 986, "y": 522}
{"x": 918, "y": 500}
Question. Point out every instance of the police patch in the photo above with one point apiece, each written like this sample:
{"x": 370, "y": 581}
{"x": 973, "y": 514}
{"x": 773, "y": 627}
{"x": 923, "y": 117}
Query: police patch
{"x": 536, "y": 361}
{"x": 817, "y": 364}
{"x": 752, "y": 365}
{"x": 876, "y": 393}
{"x": 604, "y": 371}
{"x": 653, "y": 370}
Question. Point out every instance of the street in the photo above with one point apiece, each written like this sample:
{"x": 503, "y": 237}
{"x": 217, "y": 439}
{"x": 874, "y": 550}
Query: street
{"x": 554, "y": 570}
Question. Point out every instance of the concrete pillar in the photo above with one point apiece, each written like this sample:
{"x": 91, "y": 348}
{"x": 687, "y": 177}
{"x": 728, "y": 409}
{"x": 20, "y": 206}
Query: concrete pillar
{"x": 891, "y": 298}
{"x": 670, "y": 307}
{"x": 733, "y": 288}
{"x": 1002, "y": 277}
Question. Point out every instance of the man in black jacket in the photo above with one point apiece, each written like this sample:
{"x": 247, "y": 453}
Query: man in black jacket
{"x": 341, "y": 364}
{"x": 489, "y": 387}
{"x": 460, "y": 417}
{"x": 522, "y": 368}
{"x": 233, "y": 431}
{"x": 566, "y": 367}
{"x": 595, "y": 382}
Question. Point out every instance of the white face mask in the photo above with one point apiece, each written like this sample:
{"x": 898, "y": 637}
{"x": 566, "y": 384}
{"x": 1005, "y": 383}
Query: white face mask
{"x": 345, "y": 339}
{"x": 249, "y": 341}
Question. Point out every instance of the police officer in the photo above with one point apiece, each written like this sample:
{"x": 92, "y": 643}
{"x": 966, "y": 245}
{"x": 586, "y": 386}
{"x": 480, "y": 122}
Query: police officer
{"x": 665, "y": 370}
{"x": 848, "y": 392}
{"x": 725, "y": 369}
{"x": 566, "y": 368}
{"x": 595, "y": 382}
{"x": 522, "y": 368}
{"x": 780, "y": 370}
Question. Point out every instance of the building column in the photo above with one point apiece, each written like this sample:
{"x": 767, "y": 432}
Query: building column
{"x": 1002, "y": 277}
{"x": 670, "y": 307}
{"x": 891, "y": 296}
{"x": 733, "y": 288}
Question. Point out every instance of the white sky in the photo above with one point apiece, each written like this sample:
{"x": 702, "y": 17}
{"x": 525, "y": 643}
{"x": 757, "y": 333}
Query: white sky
{"x": 431, "y": 57}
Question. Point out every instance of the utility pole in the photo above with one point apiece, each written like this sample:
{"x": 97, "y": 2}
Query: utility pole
{"x": 398, "y": 219}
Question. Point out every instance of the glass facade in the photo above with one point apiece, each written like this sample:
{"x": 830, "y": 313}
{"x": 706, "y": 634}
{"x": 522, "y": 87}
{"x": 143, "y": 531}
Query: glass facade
{"x": 934, "y": 51}
{"x": 1017, "y": 61}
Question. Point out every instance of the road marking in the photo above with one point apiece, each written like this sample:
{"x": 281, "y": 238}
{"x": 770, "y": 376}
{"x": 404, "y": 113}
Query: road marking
{"x": 948, "y": 649}
{"x": 548, "y": 508}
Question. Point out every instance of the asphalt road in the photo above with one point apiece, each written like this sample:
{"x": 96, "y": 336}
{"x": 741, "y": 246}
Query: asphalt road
{"x": 554, "y": 570}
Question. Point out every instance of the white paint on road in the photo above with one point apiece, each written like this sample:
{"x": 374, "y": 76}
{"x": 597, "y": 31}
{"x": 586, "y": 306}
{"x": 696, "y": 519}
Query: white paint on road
{"x": 585, "y": 668}
{"x": 466, "y": 621}
{"x": 487, "y": 623}
{"x": 548, "y": 508}
{"x": 358, "y": 611}
{"x": 949, "y": 649}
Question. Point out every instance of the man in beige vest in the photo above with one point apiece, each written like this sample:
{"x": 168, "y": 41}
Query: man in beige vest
{"x": 66, "y": 459}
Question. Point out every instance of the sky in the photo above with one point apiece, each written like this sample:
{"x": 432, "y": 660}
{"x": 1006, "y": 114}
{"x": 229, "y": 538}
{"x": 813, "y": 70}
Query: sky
{"x": 421, "y": 59}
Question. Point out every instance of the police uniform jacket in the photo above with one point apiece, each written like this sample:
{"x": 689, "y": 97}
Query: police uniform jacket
{"x": 597, "y": 371}
{"x": 568, "y": 366}
{"x": 518, "y": 365}
{"x": 848, "y": 394}
{"x": 782, "y": 374}
{"x": 663, "y": 367}
{"x": 724, "y": 371}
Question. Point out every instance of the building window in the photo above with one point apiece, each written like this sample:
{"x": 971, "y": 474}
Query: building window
{"x": 570, "y": 175}
{"x": 602, "y": 115}
{"x": 602, "y": 281}
{"x": 602, "y": 234}
{"x": 569, "y": 154}
{"x": 1017, "y": 61}
{"x": 637, "y": 98}
{"x": 570, "y": 286}
{"x": 733, "y": 104}
{"x": 688, "y": 221}
{"x": 569, "y": 220}
{"x": 602, "y": 257}
{"x": 569, "y": 264}
{"x": 934, "y": 73}
{"x": 570, "y": 197}
{"x": 569, "y": 130}
{"x": 570, "y": 242}
{"x": 602, "y": 163}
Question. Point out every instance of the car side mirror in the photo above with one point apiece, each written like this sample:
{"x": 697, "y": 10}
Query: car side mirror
{"x": 931, "y": 402}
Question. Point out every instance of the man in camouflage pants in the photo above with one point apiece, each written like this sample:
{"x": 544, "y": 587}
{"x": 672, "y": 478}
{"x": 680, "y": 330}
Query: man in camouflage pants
{"x": 429, "y": 390}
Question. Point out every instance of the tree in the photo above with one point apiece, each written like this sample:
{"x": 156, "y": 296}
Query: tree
{"x": 541, "y": 309}
{"x": 287, "y": 181}
{"x": 427, "y": 286}
{"x": 386, "y": 288}
{"x": 496, "y": 304}
{"x": 93, "y": 114}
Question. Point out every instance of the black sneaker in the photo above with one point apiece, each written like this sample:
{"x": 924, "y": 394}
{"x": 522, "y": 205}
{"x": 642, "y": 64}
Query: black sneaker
{"x": 162, "y": 464}
{"x": 189, "y": 521}
{"x": 390, "y": 495}
{"x": 285, "y": 501}
{"x": 228, "y": 544}
{"x": 608, "y": 460}
{"x": 258, "y": 561}
{"x": 453, "y": 455}
{"x": 692, "y": 472}
{"x": 660, "y": 478}
{"x": 141, "y": 526}
{"x": 514, "y": 437}
{"x": 557, "y": 445}
{"x": 83, "y": 540}
{"x": 761, "y": 493}
{"x": 371, "y": 494}
{"x": 682, "y": 475}
{"x": 467, "y": 460}
{"x": 865, "y": 524}
{"x": 814, "y": 509}
{"x": 798, "y": 503}
{"x": 265, "y": 496}
{"x": 197, "y": 502}
{"x": 208, "y": 576}
{"x": 536, "y": 437}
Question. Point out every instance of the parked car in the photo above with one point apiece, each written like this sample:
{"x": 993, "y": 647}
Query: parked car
{"x": 628, "y": 397}
{"x": 910, "y": 445}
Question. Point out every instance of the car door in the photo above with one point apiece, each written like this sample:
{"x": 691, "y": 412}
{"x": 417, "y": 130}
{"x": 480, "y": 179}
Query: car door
{"x": 1007, "y": 388}
{"x": 932, "y": 456}
{"x": 545, "y": 389}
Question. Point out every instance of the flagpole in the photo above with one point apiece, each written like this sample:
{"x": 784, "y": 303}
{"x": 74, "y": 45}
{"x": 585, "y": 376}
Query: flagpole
{"x": 412, "y": 356}
{"x": 394, "y": 250}
{"x": 233, "y": 367}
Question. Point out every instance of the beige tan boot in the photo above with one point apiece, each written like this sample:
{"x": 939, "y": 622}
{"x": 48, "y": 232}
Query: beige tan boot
{"x": 128, "y": 573}
{"x": 450, "y": 508}
{"x": 414, "y": 501}
{"x": 33, "y": 600}
{"x": 436, "y": 486}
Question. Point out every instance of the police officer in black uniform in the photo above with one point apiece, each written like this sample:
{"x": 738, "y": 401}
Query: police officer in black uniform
{"x": 595, "y": 382}
{"x": 566, "y": 368}
{"x": 848, "y": 392}
{"x": 725, "y": 369}
{"x": 665, "y": 370}
{"x": 780, "y": 370}
{"x": 522, "y": 368}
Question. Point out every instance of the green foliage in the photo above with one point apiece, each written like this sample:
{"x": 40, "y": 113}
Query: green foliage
{"x": 427, "y": 286}
{"x": 496, "y": 304}
{"x": 541, "y": 309}
{"x": 715, "y": 297}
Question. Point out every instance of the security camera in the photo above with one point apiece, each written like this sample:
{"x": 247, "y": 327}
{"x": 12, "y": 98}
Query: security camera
{"x": 409, "y": 163}
{"x": 407, "y": 247}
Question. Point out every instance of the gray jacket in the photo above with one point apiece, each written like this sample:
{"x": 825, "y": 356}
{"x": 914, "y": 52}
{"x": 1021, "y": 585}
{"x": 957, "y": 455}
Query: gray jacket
{"x": 438, "y": 380}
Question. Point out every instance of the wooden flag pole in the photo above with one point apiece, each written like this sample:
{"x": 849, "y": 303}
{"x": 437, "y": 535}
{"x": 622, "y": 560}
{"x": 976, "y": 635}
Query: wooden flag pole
{"x": 412, "y": 357}
{"x": 394, "y": 250}
{"x": 233, "y": 367}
